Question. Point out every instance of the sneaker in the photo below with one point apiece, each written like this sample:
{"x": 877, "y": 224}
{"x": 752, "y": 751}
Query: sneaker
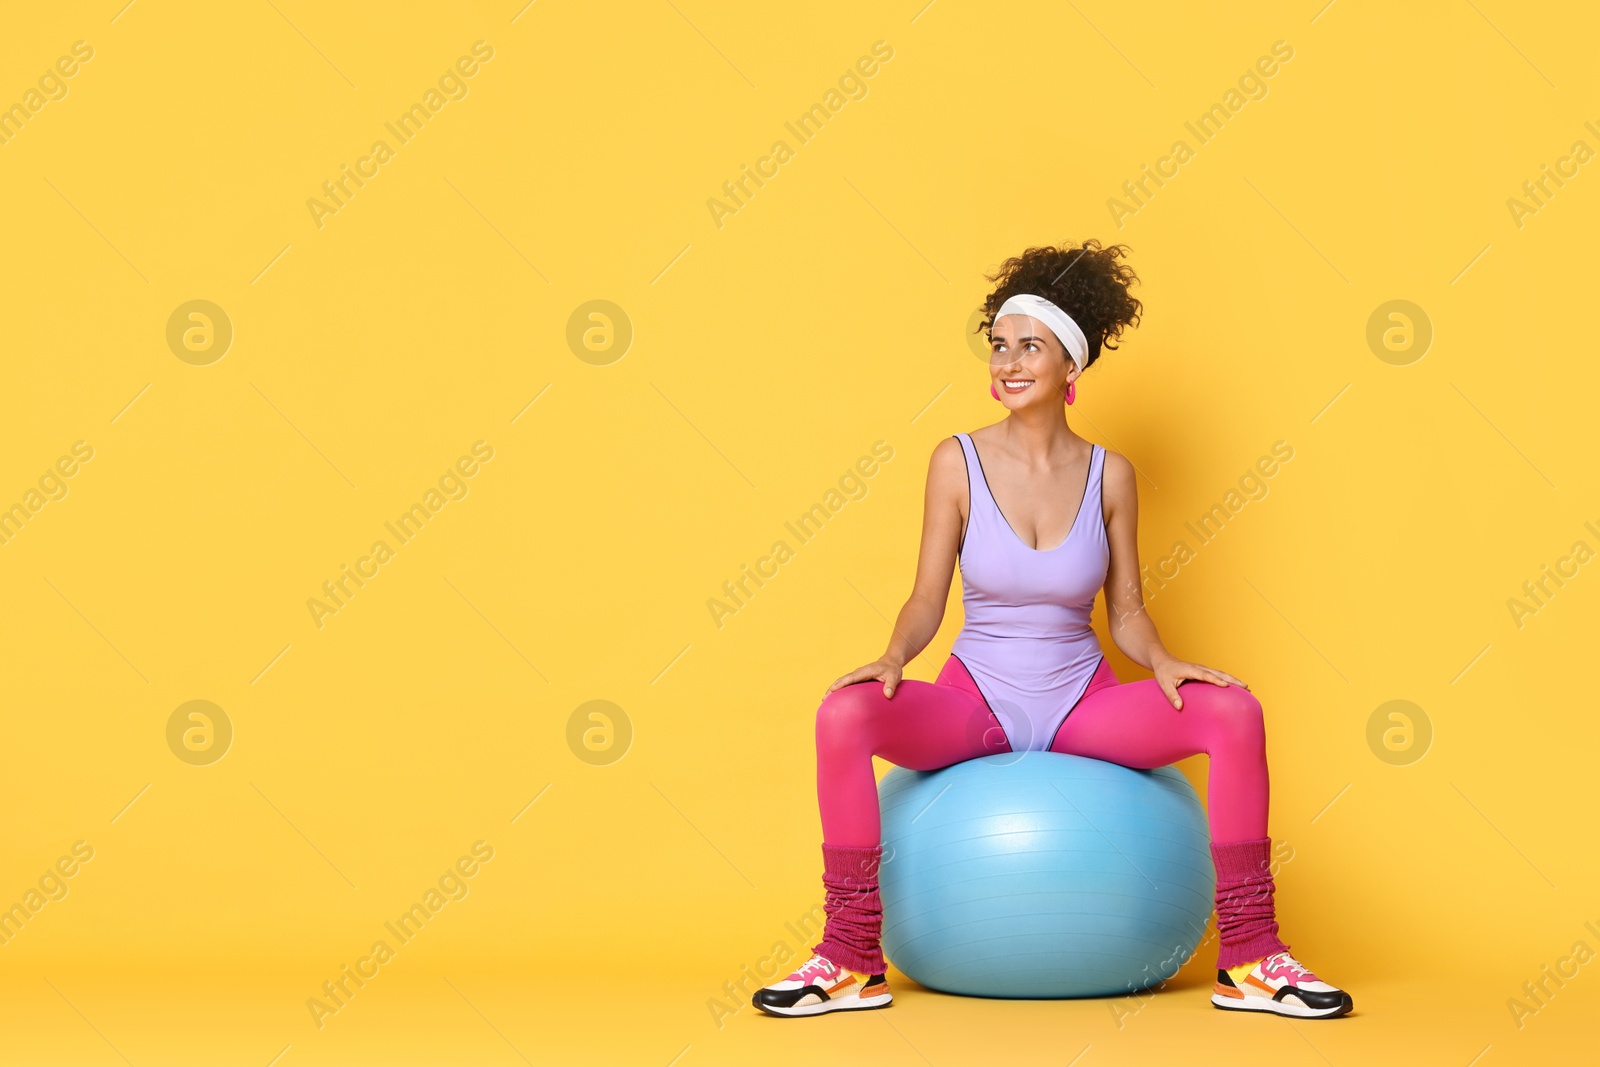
{"x": 822, "y": 986}
{"x": 1279, "y": 984}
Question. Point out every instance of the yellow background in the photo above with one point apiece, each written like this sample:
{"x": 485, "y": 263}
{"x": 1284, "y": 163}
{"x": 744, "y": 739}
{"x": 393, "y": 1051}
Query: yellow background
{"x": 768, "y": 355}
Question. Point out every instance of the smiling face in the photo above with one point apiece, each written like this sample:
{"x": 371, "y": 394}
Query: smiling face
{"x": 1027, "y": 362}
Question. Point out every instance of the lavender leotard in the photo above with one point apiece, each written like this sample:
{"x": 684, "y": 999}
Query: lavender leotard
{"x": 1027, "y": 641}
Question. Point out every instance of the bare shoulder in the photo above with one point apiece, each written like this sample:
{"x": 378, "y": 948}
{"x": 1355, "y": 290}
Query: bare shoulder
{"x": 1117, "y": 469}
{"x": 1117, "y": 481}
{"x": 947, "y": 465}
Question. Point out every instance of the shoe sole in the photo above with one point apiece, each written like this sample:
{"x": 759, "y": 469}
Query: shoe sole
{"x": 1279, "y": 1007}
{"x": 883, "y": 1000}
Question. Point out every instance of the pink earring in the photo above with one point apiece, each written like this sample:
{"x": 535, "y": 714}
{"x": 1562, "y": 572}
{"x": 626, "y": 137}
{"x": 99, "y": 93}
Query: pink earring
{"x": 992, "y": 392}
{"x": 1070, "y": 393}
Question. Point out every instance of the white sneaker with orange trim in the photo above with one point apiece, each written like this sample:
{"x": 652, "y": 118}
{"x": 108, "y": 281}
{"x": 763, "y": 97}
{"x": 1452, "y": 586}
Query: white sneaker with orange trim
{"x": 821, "y": 986}
{"x": 1279, "y": 984}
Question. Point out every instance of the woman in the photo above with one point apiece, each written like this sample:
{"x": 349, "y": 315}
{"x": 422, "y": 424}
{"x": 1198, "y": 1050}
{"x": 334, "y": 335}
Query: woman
{"x": 1039, "y": 519}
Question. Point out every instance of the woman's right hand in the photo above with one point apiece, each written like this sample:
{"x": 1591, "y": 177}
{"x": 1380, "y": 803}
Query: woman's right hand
{"x": 885, "y": 670}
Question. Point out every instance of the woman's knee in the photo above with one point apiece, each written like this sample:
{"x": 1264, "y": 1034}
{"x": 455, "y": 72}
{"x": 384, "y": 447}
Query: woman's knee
{"x": 845, "y": 717}
{"x": 1235, "y": 714}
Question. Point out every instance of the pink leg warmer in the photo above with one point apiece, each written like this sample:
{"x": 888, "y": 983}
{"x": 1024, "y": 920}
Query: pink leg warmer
{"x": 854, "y": 909}
{"x": 1246, "y": 921}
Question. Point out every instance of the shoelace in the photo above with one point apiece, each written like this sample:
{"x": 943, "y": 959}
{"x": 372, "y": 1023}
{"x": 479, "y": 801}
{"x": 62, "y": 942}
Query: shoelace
{"x": 1296, "y": 969}
{"x": 817, "y": 966}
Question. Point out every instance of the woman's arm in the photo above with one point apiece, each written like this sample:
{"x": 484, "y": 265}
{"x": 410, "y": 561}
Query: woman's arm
{"x": 919, "y": 619}
{"x": 936, "y": 558}
{"x": 1132, "y": 629}
{"x": 1131, "y": 626}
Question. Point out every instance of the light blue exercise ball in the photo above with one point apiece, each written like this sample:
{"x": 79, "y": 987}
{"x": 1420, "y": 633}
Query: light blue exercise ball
{"x": 1038, "y": 874}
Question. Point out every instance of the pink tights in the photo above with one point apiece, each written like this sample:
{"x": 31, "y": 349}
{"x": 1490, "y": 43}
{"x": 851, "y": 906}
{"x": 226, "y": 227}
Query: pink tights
{"x": 928, "y": 725}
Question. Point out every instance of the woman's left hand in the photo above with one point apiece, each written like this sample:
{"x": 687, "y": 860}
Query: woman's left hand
{"x": 1173, "y": 671}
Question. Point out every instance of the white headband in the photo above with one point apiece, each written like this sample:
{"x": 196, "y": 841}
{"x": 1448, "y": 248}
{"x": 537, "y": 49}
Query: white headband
{"x": 1059, "y": 321}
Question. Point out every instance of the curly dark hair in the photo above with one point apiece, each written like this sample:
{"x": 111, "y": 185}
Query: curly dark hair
{"x": 1085, "y": 281}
